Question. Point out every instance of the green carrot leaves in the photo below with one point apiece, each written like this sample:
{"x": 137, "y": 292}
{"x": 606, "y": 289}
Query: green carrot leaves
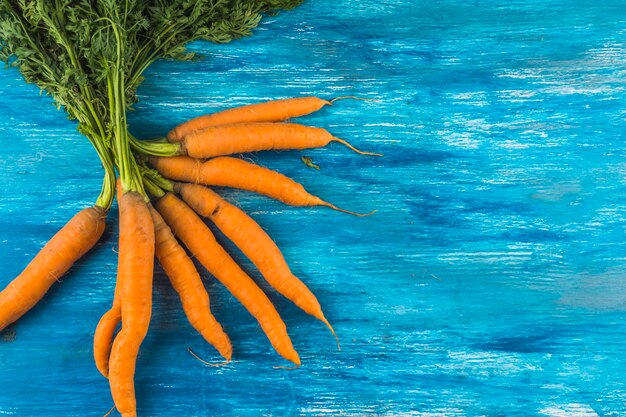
{"x": 90, "y": 56}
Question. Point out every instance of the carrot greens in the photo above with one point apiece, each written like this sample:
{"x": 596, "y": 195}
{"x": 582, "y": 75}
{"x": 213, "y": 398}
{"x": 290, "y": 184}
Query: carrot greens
{"x": 91, "y": 56}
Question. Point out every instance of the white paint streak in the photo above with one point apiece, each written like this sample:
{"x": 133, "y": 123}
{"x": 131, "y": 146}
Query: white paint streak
{"x": 569, "y": 410}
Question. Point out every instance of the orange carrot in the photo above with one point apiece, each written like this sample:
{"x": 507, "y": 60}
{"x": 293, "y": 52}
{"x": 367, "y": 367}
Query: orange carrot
{"x": 251, "y": 137}
{"x": 270, "y": 111}
{"x": 236, "y": 173}
{"x": 200, "y": 241}
{"x": 134, "y": 278}
{"x": 188, "y": 284}
{"x": 103, "y": 336}
{"x": 254, "y": 243}
{"x": 69, "y": 244}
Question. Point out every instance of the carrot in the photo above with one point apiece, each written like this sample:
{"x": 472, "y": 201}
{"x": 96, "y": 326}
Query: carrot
{"x": 236, "y": 173}
{"x": 103, "y": 336}
{"x": 134, "y": 278}
{"x": 200, "y": 241}
{"x": 188, "y": 284}
{"x": 251, "y": 137}
{"x": 69, "y": 244}
{"x": 269, "y": 111}
{"x": 254, "y": 243}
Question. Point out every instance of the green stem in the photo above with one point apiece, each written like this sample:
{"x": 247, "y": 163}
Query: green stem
{"x": 130, "y": 176}
{"x": 153, "y": 189}
{"x": 154, "y": 182}
{"x": 105, "y": 199}
{"x": 155, "y": 178}
{"x": 157, "y": 147}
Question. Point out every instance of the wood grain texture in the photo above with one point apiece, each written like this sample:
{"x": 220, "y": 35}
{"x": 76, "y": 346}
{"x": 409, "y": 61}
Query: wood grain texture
{"x": 490, "y": 282}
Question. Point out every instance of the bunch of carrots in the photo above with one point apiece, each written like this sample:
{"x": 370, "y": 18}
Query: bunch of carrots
{"x": 91, "y": 57}
{"x": 162, "y": 201}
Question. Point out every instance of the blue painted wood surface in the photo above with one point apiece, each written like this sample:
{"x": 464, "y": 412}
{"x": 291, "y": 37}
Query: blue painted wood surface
{"x": 490, "y": 282}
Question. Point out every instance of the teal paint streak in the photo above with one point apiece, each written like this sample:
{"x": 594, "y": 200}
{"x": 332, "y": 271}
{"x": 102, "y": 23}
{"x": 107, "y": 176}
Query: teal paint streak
{"x": 490, "y": 282}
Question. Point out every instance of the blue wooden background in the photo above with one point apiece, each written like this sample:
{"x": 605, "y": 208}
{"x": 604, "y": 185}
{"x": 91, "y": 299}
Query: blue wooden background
{"x": 491, "y": 282}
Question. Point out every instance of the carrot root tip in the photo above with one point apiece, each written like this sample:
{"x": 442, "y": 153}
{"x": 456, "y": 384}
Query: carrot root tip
{"x": 109, "y": 412}
{"x": 346, "y": 143}
{"x": 354, "y": 213}
{"x": 327, "y": 323}
{"x": 207, "y": 363}
{"x": 354, "y": 98}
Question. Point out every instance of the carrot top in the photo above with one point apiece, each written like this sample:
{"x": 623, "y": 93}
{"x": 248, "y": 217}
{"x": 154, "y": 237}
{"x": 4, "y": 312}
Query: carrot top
{"x": 92, "y": 69}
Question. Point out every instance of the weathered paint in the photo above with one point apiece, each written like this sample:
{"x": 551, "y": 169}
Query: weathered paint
{"x": 490, "y": 282}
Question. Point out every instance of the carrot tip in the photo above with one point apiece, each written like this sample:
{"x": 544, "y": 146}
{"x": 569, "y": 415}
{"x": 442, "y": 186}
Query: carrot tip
{"x": 224, "y": 363}
{"x": 354, "y": 213}
{"x": 109, "y": 413}
{"x": 353, "y": 98}
{"x": 104, "y": 372}
{"x": 323, "y": 319}
{"x": 355, "y": 149}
